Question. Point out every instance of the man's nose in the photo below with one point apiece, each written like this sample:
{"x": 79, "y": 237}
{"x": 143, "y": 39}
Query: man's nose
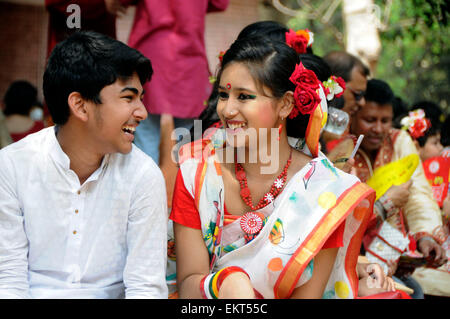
{"x": 141, "y": 112}
{"x": 378, "y": 127}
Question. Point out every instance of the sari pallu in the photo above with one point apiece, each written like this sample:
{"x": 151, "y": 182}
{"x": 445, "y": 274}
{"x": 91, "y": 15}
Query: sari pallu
{"x": 313, "y": 204}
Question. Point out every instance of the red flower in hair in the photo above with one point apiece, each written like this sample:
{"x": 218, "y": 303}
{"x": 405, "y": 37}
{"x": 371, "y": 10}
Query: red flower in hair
{"x": 220, "y": 56}
{"x": 305, "y": 94}
{"x": 419, "y": 128}
{"x": 306, "y": 100}
{"x": 303, "y": 76}
{"x": 299, "y": 40}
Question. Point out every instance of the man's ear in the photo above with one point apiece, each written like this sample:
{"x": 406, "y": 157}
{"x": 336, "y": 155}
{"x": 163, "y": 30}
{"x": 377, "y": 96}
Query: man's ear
{"x": 78, "y": 106}
{"x": 286, "y": 103}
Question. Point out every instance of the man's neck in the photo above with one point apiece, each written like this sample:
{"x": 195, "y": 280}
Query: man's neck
{"x": 84, "y": 158}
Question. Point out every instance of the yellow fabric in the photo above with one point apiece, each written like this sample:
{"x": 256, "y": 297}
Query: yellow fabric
{"x": 421, "y": 211}
{"x": 394, "y": 173}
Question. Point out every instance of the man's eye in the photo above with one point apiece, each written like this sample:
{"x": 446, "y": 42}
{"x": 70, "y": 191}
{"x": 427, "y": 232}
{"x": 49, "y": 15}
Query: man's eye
{"x": 128, "y": 97}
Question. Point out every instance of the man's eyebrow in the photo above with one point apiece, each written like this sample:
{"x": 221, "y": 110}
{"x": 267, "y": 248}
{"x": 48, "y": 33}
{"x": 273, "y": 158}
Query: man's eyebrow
{"x": 132, "y": 89}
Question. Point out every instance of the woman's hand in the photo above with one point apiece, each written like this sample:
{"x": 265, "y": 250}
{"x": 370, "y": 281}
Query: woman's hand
{"x": 236, "y": 286}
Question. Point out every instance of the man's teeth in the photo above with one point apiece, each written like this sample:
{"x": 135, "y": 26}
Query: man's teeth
{"x": 235, "y": 126}
{"x": 129, "y": 129}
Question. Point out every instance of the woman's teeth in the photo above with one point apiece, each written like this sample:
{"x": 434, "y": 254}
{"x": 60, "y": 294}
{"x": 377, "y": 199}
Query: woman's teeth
{"x": 129, "y": 129}
{"x": 235, "y": 126}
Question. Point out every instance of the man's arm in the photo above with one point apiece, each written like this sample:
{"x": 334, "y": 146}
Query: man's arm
{"x": 422, "y": 212}
{"x": 145, "y": 270}
{"x": 13, "y": 240}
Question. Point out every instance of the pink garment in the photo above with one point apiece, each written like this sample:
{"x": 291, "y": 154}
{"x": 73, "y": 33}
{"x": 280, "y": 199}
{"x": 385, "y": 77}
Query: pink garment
{"x": 171, "y": 34}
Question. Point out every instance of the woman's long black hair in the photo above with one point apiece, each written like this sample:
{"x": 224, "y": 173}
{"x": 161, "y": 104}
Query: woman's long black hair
{"x": 255, "y": 43}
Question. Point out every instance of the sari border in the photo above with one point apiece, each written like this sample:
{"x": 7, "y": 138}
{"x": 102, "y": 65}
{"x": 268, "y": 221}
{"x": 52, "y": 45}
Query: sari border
{"x": 316, "y": 238}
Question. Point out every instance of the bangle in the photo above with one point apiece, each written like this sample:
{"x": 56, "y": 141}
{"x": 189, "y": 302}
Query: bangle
{"x": 210, "y": 284}
{"x": 423, "y": 235}
{"x": 225, "y": 272}
{"x": 388, "y": 206}
{"x": 379, "y": 210}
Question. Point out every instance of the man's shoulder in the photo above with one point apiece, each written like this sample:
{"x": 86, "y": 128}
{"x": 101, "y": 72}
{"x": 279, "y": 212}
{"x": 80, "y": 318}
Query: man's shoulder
{"x": 137, "y": 161}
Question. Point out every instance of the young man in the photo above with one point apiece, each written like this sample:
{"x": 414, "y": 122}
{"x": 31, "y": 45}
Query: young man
{"x": 419, "y": 213}
{"x": 83, "y": 212}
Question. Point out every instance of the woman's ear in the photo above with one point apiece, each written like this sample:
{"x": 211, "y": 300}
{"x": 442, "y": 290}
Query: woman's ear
{"x": 286, "y": 104}
{"x": 78, "y": 106}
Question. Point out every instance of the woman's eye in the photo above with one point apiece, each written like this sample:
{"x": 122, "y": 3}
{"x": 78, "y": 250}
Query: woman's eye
{"x": 243, "y": 96}
{"x": 223, "y": 95}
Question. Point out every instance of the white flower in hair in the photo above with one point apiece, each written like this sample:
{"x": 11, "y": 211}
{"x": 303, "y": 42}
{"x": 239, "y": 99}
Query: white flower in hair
{"x": 334, "y": 86}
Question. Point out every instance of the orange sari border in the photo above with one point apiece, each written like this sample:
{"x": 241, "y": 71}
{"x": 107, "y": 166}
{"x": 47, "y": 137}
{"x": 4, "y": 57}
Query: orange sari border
{"x": 354, "y": 247}
{"x": 199, "y": 179}
{"x": 316, "y": 239}
{"x": 312, "y": 134}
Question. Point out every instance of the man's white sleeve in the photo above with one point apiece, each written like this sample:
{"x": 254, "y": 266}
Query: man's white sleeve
{"x": 145, "y": 270}
{"x": 13, "y": 240}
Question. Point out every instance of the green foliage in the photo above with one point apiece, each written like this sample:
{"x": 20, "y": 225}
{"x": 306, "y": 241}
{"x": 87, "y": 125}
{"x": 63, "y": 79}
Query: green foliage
{"x": 415, "y": 57}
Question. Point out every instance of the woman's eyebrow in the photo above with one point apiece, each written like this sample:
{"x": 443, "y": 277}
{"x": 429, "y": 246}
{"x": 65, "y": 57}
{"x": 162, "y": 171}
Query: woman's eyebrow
{"x": 238, "y": 88}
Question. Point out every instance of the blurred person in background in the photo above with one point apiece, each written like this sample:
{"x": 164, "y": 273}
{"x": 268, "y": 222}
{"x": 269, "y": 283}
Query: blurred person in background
{"x": 19, "y": 100}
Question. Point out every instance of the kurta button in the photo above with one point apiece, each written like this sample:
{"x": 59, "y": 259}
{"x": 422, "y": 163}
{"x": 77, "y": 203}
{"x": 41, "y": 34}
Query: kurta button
{"x": 74, "y": 232}
{"x": 76, "y": 211}
{"x": 79, "y": 192}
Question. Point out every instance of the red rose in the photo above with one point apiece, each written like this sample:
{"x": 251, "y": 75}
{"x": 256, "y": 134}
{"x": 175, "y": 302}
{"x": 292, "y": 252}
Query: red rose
{"x": 304, "y": 77}
{"x": 296, "y": 41}
{"x": 306, "y": 100}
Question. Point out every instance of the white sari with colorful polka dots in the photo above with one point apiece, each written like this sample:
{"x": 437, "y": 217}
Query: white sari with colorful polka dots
{"x": 316, "y": 200}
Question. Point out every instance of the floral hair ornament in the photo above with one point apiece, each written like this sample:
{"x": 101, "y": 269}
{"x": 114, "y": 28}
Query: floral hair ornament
{"x": 334, "y": 87}
{"x": 416, "y": 123}
{"x": 299, "y": 40}
{"x": 220, "y": 56}
{"x": 306, "y": 96}
{"x": 310, "y": 98}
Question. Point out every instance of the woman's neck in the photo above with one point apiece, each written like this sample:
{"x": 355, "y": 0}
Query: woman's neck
{"x": 270, "y": 160}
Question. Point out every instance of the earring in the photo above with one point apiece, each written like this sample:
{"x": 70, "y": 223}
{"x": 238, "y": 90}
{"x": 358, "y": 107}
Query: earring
{"x": 280, "y": 128}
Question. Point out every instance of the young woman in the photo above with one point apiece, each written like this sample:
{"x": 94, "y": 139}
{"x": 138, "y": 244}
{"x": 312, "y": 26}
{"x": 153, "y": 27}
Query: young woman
{"x": 292, "y": 233}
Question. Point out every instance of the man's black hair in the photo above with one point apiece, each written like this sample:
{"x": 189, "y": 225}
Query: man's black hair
{"x": 86, "y": 62}
{"x": 379, "y": 91}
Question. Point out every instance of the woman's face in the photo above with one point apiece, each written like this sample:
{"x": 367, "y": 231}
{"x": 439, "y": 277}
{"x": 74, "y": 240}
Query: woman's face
{"x": 246, "y": 112}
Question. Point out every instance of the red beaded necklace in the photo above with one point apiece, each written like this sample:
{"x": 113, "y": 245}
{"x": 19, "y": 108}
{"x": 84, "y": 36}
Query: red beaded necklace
{"x": 269, "y": 197}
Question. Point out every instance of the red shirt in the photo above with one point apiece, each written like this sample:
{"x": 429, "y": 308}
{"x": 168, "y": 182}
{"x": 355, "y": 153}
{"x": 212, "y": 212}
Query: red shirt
{"x": 185, "y": 213}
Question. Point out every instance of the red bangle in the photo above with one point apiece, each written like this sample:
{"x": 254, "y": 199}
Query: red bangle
{"x": 228, "y": 271}
{"x": 202, "y": 289}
